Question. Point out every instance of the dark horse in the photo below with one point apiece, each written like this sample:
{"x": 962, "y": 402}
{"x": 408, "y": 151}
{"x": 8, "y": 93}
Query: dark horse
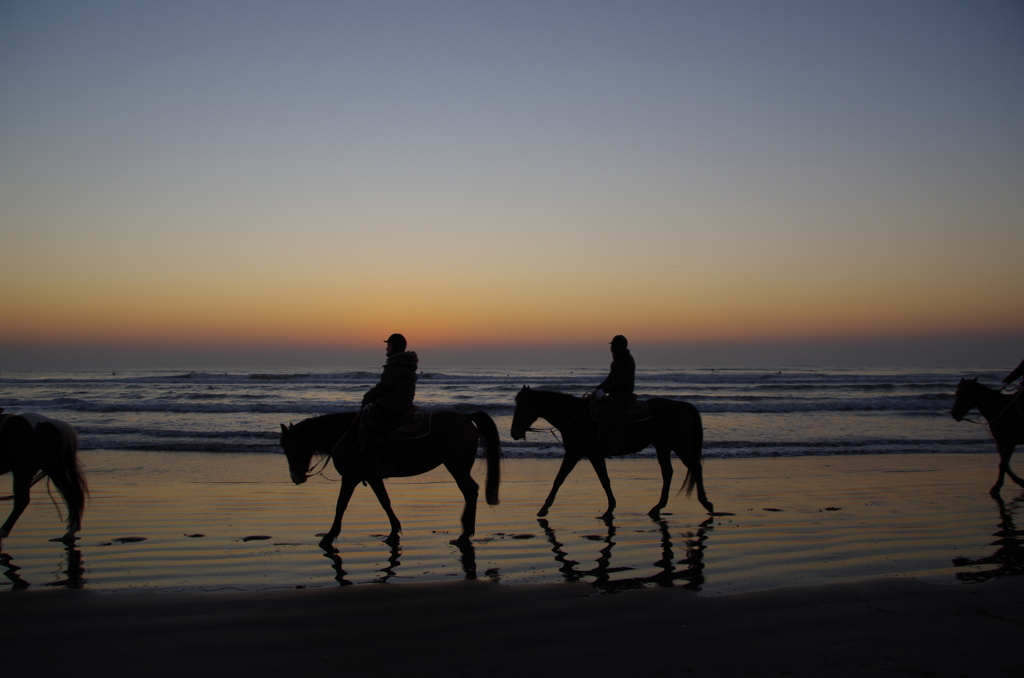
{"x": 33, "y": 447}
{"x": 674, "y": 426}
{"x": 1005, "y": 416}
{"x": 452, "y": 441}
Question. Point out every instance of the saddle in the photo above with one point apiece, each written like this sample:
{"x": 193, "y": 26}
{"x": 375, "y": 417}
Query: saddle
{"x": 637, "y": 410}
{"x": 411, "y": 426}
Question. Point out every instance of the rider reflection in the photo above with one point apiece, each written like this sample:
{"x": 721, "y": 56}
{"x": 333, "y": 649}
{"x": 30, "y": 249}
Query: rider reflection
{"x": 1009, "y": 557}
{"x": 691, "y": 576}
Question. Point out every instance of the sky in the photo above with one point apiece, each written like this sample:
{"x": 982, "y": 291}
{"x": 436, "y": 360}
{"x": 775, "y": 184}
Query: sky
{"x": 219, "y": 183}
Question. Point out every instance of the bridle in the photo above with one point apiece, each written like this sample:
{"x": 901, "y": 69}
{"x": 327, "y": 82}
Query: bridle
{"x": 323, "y": 461}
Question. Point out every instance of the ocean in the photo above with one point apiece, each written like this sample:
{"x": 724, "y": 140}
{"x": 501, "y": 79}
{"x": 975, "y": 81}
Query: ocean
{"x": 817, "y": 475}
{"x": 746, "y": 412}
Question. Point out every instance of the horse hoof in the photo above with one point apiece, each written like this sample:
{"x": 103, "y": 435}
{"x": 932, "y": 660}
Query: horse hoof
{"x": 654, "y": 513}
{"x": 542, "y": 513}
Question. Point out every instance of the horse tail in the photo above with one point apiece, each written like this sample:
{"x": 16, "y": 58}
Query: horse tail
{"x": 492, "y": 446}
{"x": 66, "y": 473}
{"x": 695, "y": 443}
{"x": 78, "y": 488}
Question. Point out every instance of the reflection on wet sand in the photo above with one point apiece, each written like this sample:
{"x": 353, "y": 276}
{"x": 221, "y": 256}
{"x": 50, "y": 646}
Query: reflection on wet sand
{"x": 71, "y": 573}
{"x": 1009, "y": 557}
{"x": 668, "y": 575}
{"x": 467, "y": 558}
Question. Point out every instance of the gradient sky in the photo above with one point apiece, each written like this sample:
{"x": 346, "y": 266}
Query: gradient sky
{"x": 268, "y": 180}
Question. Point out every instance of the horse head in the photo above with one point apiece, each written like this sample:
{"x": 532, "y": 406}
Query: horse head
{"x": 297, "y": 453}
{"x": 966, "y": 398}
{"x": 525, "y": 414}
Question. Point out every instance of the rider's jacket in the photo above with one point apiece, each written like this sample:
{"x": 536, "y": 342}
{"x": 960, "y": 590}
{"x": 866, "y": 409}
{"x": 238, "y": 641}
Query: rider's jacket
{"x": 397, "y": 386}
{"x": 621, "y": 378}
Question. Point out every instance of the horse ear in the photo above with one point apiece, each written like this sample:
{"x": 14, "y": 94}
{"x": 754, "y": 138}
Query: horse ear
{"x": 283, "y": 429}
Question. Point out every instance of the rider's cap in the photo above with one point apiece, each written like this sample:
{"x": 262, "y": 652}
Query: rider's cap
{"x": 619, "y": 342}
{"x": 398, "y": 340}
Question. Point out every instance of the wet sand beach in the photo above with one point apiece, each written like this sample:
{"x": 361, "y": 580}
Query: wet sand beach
{"x": 854, "y": 565}
{"x": 468, "y": 628}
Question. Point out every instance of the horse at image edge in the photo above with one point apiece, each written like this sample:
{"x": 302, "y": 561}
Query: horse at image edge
{"x": 1005, "y": 416}
{"x": 33, "y": 447}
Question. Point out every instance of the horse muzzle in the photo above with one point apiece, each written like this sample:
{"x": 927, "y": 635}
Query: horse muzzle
{"x": 518, "y": 433}
{"x": 299, "y": 479}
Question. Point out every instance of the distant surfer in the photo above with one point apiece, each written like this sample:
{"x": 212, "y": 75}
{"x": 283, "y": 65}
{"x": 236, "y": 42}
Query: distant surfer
{"x": 615, "y": 393}
{"x": 384, "y": 404}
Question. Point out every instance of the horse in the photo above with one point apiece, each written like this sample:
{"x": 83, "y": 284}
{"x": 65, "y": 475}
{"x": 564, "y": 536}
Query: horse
{"x": 1005, "y": 416}
{"x": 452, "y": 441}
{"x": 674, "y": 426}
{"x": 33, "y": 447}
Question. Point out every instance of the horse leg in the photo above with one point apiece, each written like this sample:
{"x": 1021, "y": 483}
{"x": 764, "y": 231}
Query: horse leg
{"x": 1005, "y": 452}
{"x": 569, "y": 462}
{"x": 665, "y": 461}
{"x": 377, "y": 485}
{"x": 471, "y": 491}
{"x": 22, "y": 487}
{"x": 348, "y": 486}
{"x": 697, "y": 473}
{"x": 602, "y": 474}
{"x": 1013, "y": 476}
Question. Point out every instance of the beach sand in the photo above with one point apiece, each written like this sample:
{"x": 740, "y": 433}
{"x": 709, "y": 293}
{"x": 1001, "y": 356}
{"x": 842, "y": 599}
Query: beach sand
{"x": 858, "y": 565}
{"x": 473, "y": 628}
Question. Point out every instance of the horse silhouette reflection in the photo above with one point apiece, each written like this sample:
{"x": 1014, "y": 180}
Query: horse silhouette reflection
{"x": 1008, "y": 560}
{"x": 690, "y": 576}
{"x": 71, "y": 573}
{"x": 467, "y": 559}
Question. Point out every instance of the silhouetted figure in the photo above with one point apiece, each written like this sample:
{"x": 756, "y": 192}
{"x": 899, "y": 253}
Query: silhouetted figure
{"x": 33, "y": 447}
{"x": 385, "y": 404}
{"x": 1015, "y": 375}
{"x": 450, "y": 438}
{"x": 614, "y": 394}
{"x": 669, "y": 425}
{"x": 1004, "y": 413}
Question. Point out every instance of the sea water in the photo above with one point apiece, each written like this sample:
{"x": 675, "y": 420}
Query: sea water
{"x": 746, "y": 412}
{"x": 818, "y": 475}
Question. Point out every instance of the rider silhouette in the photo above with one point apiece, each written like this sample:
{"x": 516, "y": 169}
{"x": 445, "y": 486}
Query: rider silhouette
{"x": 384, "y": 404}
{"x": 614, "y": 394}
{"x": 1015, "y": 375}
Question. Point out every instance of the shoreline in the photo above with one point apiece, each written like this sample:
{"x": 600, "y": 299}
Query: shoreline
{"x": 890, "y": 626}
{"x": 195, "y": 523}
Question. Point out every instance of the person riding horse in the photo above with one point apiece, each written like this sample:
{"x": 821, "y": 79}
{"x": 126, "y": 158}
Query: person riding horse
{"x": 614, "y": 394}
{"x": 384, "y": 404}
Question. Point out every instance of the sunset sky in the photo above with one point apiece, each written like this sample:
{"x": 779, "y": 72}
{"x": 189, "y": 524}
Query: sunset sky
{"x": 284, "y": 183}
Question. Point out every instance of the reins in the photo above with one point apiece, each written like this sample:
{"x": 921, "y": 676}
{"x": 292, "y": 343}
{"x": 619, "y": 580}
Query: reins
{"x": 313, "y": 471}
{"x": 988, "y": 422}
{"x": 552, "y": 429}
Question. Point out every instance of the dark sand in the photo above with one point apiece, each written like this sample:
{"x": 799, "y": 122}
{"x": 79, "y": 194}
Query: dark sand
{"x": 467, "y": 628}
{"x": 912, "y": 576}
